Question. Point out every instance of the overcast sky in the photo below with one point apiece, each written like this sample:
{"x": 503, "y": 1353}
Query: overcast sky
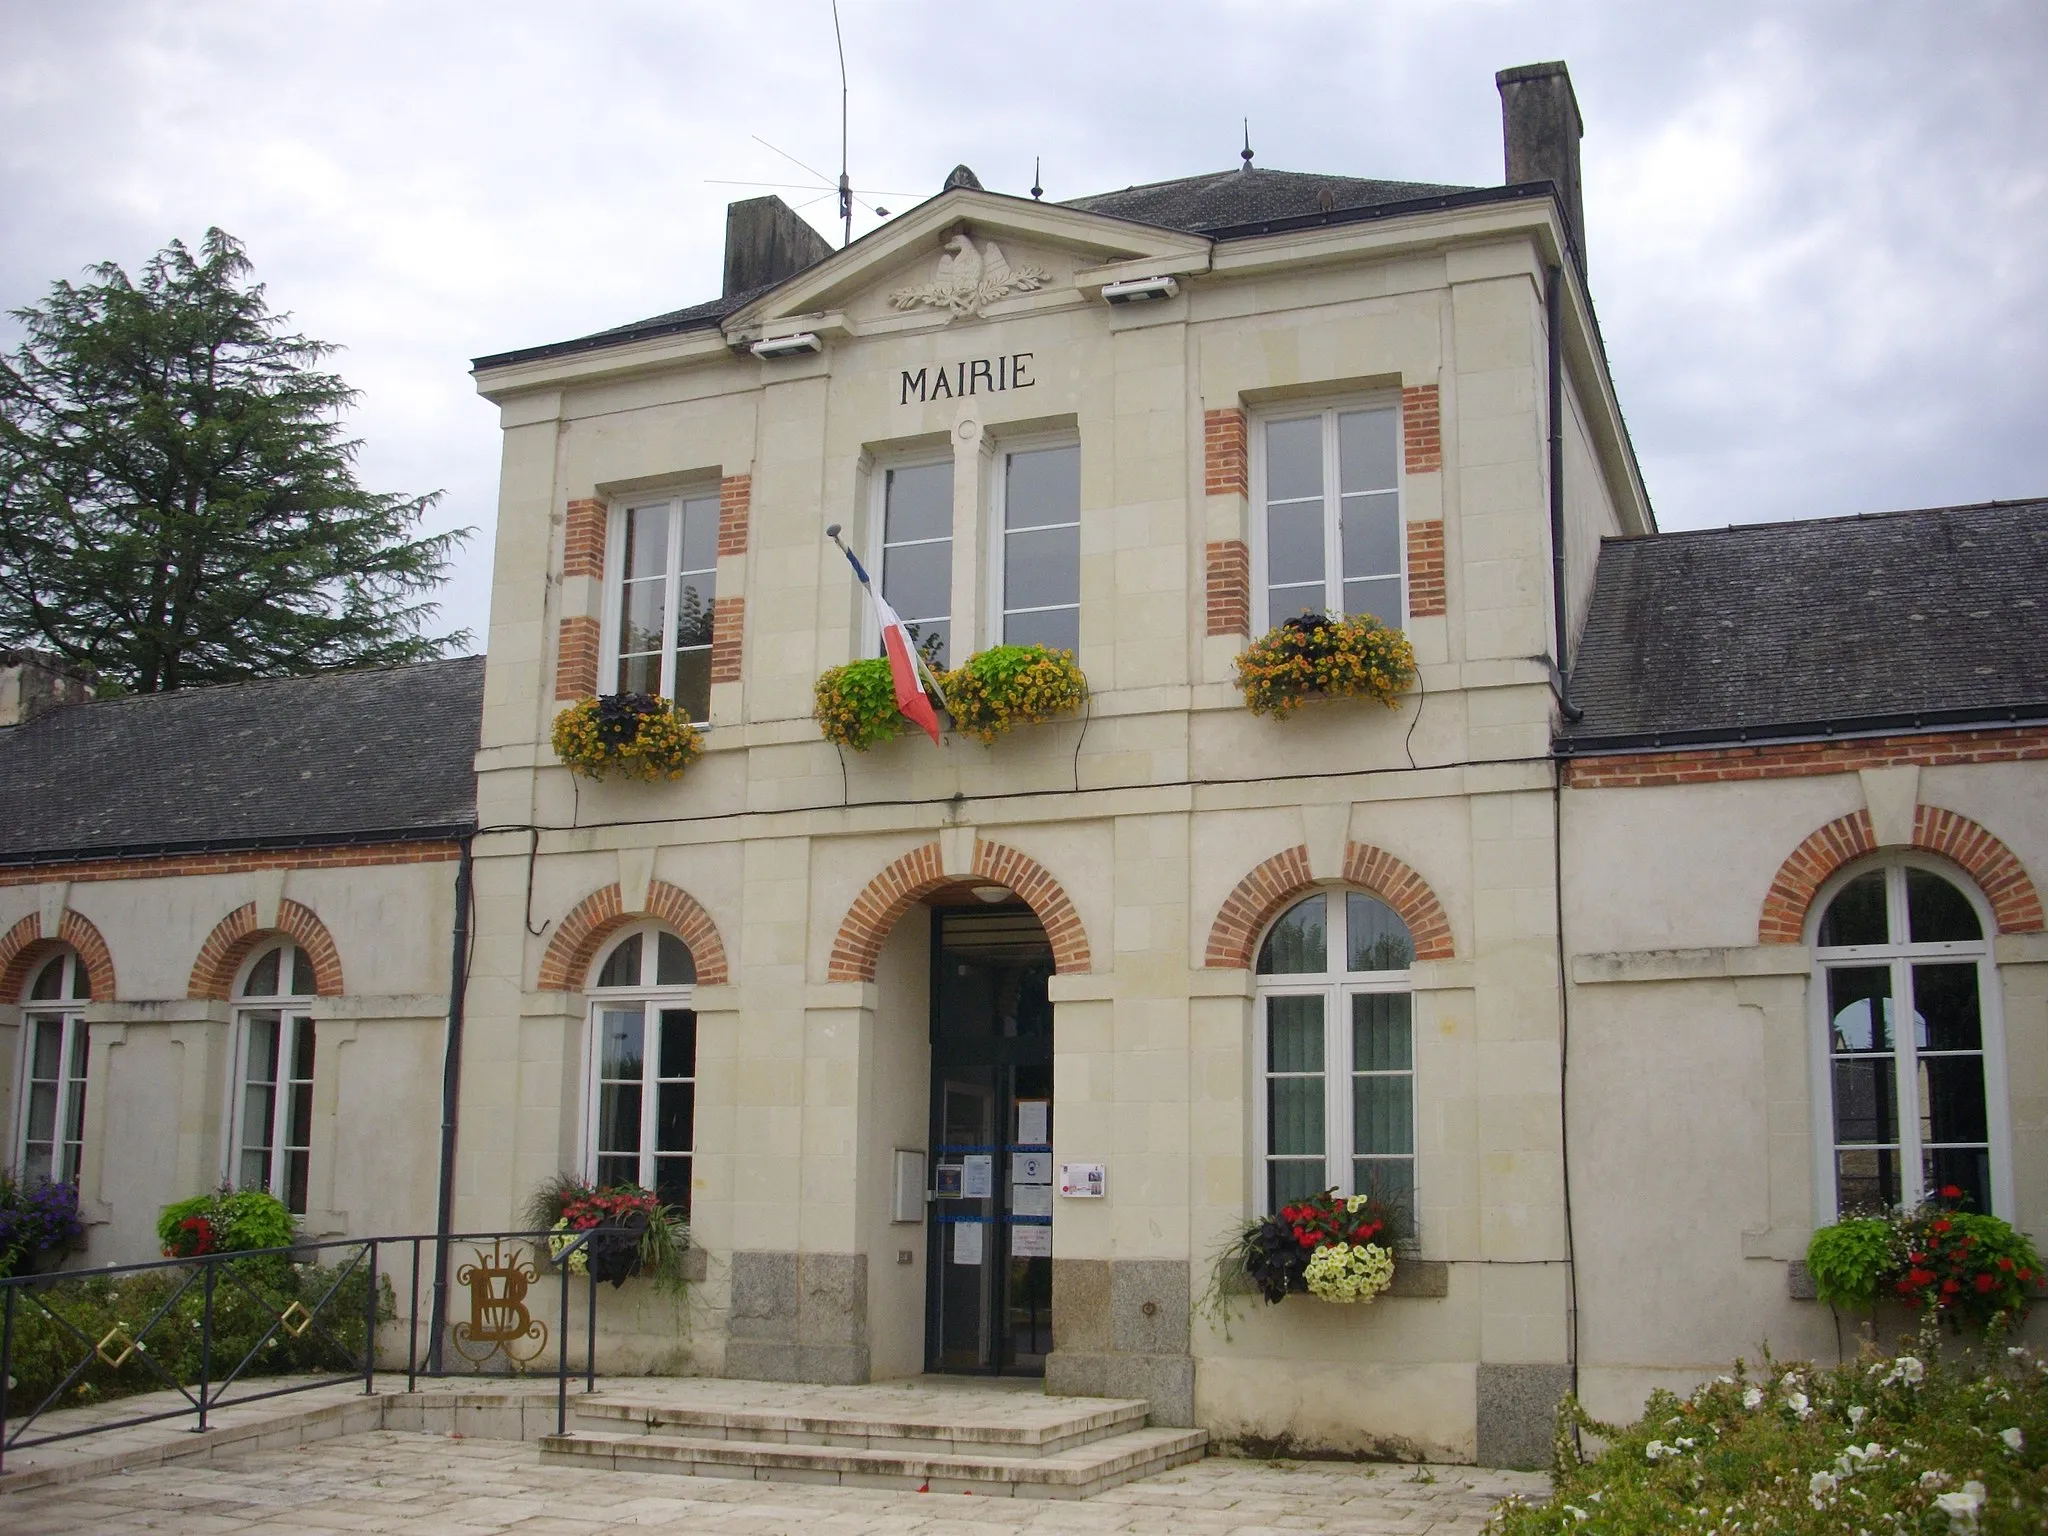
{"x": 1817, "y": 233}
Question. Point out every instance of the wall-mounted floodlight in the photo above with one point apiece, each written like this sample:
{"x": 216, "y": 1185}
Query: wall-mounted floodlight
{"x": 787, "y": 346}
{"x": 1133, "y": 290}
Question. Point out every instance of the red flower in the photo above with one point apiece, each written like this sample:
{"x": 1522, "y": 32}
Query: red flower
{"x": 1919, "y": 1279}
{"x": 2026, "y": 1274}
{"x": 1941, "y": 1224}
{"x": 1950, "y": 1287}
{"x": 1987, "y": 1282}
{"x": 1951, "y": 1192}
{"x": 2006, "y": 1265}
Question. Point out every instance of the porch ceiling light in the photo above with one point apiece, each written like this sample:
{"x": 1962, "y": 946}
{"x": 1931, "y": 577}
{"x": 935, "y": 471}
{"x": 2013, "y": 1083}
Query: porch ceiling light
{"x": 993, "y": 893}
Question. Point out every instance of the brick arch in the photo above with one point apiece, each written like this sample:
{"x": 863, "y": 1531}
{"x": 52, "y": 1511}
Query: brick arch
{"x": 236, "y": 936}
{"x": 2015, "y": 902}
{"x": 1272, "y": 886}
{"x": 580, "y": 935}
{"x": 907, "y": 881}
{"x": 23, "y": 948}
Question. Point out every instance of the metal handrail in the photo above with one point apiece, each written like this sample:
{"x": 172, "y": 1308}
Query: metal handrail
{"x": 206, "y": 1271}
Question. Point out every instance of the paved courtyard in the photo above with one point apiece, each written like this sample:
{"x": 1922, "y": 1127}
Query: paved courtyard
{"x": 438, "y": 1485}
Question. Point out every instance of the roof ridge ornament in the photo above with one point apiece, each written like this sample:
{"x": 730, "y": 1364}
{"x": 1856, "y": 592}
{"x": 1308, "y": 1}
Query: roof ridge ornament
{"x": 1246, "y": 154}
{"x": 968, "y": 279}
{"x": 961, "y": 176}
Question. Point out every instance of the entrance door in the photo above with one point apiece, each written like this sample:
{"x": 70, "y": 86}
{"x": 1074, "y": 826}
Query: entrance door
{"x": 990, "y": 1248}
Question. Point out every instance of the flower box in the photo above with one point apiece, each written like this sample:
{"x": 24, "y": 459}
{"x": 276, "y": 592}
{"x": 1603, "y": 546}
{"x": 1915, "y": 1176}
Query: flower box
{"x": 635, "y": 735}
{"x": 1315, "y": 656}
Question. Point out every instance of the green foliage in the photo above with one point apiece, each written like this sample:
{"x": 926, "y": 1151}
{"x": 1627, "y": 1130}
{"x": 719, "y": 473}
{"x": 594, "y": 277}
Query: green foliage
{"x": 235, "y": 1220}
{"x": 178, "y": 502}
{"x": 856, "y": 704}
{"x": 1011, "y": 685}
{"x": 1850, "y": 1260}
{"x": 568, "y": 1205}
{"x": 1911, "y": 1444}
{"x": 637, "y": 735}
{"x": 1317, "y": 656}
{"x": 60, "y": 1319}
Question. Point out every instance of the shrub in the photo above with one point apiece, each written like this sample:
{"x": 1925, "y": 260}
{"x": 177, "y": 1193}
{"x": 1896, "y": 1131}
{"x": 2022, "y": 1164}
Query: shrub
{"x": 856, "y": 704}
{"x": 36, "y": 1219}
{"x": 1011, "y": 685}
{"x": 634, "y": 734}
{"x": 1316, "y": 656}
{"x": 1906, "y": 1444}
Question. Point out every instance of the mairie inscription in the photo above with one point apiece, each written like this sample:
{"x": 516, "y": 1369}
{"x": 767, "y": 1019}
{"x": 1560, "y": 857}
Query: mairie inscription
{"x": 969, "y": 376}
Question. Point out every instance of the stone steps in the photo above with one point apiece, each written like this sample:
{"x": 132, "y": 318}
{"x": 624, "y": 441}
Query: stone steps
{"x": 1021, "y": 1445}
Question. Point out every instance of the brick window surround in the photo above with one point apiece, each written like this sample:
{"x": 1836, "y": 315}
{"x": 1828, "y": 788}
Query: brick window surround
{"x": 1225, "y": 462}
{"x": 25, "y": 947}
{"x": 1426, "y": 569}
{"x": 906, "y": 881}
{"x": 565, "y": 965}
{"x": 1422, "y": 448}
{"x": 236, "y": 936}
{"x": 1274, "y": 885}
{"x": 1229, "y": 585}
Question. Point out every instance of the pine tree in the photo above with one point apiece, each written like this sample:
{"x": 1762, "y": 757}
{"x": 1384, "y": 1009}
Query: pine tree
{"x": 178, "y": 502}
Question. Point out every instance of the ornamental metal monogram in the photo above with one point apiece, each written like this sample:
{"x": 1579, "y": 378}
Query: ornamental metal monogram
{"x": 499, "y": 1322}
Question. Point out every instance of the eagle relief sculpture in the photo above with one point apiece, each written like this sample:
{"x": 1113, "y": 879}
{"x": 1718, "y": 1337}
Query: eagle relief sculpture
{"x": 968, "y": 279}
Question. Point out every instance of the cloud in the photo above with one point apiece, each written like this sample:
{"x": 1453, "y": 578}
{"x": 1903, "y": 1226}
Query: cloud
{"x": 1813, "y": 232}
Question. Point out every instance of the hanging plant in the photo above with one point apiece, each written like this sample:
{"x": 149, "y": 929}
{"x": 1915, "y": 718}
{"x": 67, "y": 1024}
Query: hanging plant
{"x": 634, "y": 734}
{"x": 1337, "y": 1247}
{"x": 856, "y": 704}
{"x": 1011, "y": 685}
{"x": 1316, "y": 656}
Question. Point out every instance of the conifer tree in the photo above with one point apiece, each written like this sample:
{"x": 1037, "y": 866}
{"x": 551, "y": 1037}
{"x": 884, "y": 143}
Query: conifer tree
{"x": 178, "y": 501}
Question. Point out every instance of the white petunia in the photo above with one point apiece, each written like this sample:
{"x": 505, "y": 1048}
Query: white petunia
{"x": 1933, "y": 1479}
{"x": 1856, "y": 1412}
{"x": 1906, "y": 1370}
{"x": 1797, "y": 1402}
{"x": 2014, "y": 1440}
{"x": 1961, "y": 1507}
{"x": 1753, "y": 1398}
{"x": 1818, "y": 1487}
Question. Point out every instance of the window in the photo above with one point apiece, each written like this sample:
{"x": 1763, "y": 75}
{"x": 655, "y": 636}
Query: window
{"x": 667, "y": 575}
{"x": 273, "y": 1109}
{"x": 1336, "y": 1052}
{"x": 53, "y": 1072}
{"x": 642, "y": 1070}
{"x": 1908, "y": 1109}
{"x": 1328, "y": 534}
{"x": 1038, "y": 581}
{"x": 917, "y": 554}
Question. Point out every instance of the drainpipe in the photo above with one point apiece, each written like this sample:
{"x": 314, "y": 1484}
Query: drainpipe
{"x": 451, "y": 1091}
{"x": 1553, "y": 304}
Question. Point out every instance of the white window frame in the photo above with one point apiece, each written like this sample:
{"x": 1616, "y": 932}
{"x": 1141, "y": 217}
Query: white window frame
{"x": 878, "y": 518}
{"x": 1900, "y": 956}
{"x": 1337, "y": 987}
{"x": 622, "y": 508}
{"x": 67, "y": 1011}
{"x": 652, "y": 998}
{"x": 996, "y": 499}
{"x": 1333, "y": 549}
{"x": 294, "y": 1011}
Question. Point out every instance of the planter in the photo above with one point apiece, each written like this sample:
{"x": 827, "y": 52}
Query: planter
{"x": 1336, "y": 1248}
{"x": 633, "y": 735}
{"x": 1318, "y": 657}
{"x": 991, "y": 692}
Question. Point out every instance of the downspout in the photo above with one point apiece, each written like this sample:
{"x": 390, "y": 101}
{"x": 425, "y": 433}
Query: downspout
{"x": 1553, "y": 304}
{"x": 451, "y": 1092}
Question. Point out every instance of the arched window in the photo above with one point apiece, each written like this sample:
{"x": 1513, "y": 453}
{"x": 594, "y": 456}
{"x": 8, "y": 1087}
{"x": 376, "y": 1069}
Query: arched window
{"x": 52, "y": 1135}
{"x": 1909, "y": 1110}
{"x": 641, "y": 1113}
{"x": 1336, "y": 1051}
{"x": 272, "y": 1139}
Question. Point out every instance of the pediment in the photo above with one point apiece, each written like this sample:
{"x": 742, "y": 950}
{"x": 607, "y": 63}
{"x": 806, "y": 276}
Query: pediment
{"x": 964, "y": 254}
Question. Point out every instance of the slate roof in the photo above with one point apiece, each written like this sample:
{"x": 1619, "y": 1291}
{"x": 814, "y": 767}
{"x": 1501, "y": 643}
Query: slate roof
{"x": 1811, "y": 628}
{"x": 338, "y": 757}
{"x": 1200, "y": 205}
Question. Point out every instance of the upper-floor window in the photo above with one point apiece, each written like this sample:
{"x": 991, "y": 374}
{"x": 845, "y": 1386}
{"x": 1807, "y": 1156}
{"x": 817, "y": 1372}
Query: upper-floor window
{"x": 52, "y": 1098}
{"x": 1327, "y": 530}
{"x": 1908, "y": 1044}
{"x": 917, "y": 553}
{"x": 1038, "y": 555}
{"x": 1336, "y": 1052}
{"x": 272, "y": 1136}
{"x": 640, "y": 1116}
{"x": 665, "y": 575}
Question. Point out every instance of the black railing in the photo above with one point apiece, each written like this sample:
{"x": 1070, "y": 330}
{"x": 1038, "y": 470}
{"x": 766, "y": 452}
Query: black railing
{"x": 213, "y": 1326}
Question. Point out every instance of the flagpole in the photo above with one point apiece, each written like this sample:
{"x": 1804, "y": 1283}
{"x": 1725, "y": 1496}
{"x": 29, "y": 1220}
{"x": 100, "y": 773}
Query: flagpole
{"x": 916, "y": 655}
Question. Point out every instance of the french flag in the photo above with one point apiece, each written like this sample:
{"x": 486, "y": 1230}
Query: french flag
{"x": 904, "y": 661}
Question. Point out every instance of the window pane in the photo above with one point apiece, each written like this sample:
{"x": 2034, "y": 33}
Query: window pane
{"x": 1284, "y": 603}
{"x": 49, "y": 981}
{"x": 1296, "y": 945}
{"x": 678, "y": 1043}
{"x": 303, "y": 984}
{"x": 1043, "y": 486}
{"x": 79, "y": 1033}
{"x": 640, "y": 674}
{"x": 1295, "y": 1116}
{"x": 672, "y": 1125}
{"x": 1856, "y": 915}
{"x": 262, "y": 980}
{"x": 642, "y": 614}
{"x": 1952, "y": 1099}
{"x": 1058, "y": 629}
{"x": 1042, "y": 567}
{"x": 259, "y": 1101}
{"x": 1945, "y": 1008}
{"x": 1294, "y": 1035}
{"x": 1383, "y": 1114}
{"x": 933, "y": 640}
{"x": 623, "y": 1169}
{"x": 693, "y": 683}
{"x": 1866, "y": 1100}
{"x": 1368, "y": 445}
{"x": 1377, "y": 938}
{"x": 672, "y": 1182}
{"x": 1294, "y": 458}
{"x": 1938, "y": 913}
{"x": 296, "y": 1164}
{"x": 1392, "y": 1179}
{"x": 1381, "y": 1033}
{"x": 81, "y": 983}
{"x": 917, "y": 579}
{"x": 673, "y": 964}
{"x": 302, "y": 1051}
{"x": 1294, "y": 547}
{"x": 48, "y": 1058}
{"x": 1866, "y": 1181}
{"x": 620, "y": 1052}
{"x": 622, "y": 966}
{"x": 1372, "y": 535}
{"x": 261, "y": 1063}
{"x": 42, "y": 1112}
{"x": 255, "y": 1168}
{"x": 647, "y": 542}
{"x": 1380, "y": 597}
{"x": 693, "y": 608}
{"x": 919, "y": 503}
{"x": 1292, "y": 1179}
{"x": 1967, "y": 1168}
{"x": 1860, "y": 1008}
{"x": 700, "y": 534}
{"x": 618, "y": 1121}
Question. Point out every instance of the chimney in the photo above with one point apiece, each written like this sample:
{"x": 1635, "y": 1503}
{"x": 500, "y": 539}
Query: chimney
{"x": 1541, "y": 127}
{"x": 33, "y": 683}
{"x": 765, "y": 242}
